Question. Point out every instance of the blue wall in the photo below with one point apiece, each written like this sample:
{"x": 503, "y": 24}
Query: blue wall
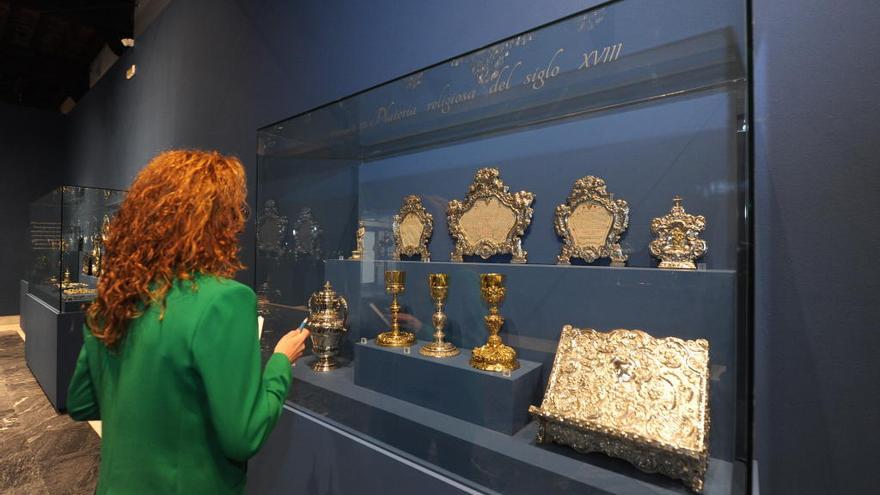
{"x": 817, "y": 387}
{"x": 32, "y": 151}
{"x": 211, "y": 72}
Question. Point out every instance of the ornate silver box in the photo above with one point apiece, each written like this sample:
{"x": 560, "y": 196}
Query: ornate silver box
{"x": 631, "y": 396}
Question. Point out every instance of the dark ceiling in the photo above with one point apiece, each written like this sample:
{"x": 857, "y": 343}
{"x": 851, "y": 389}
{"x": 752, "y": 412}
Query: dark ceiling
{"x": 47, "y": 47}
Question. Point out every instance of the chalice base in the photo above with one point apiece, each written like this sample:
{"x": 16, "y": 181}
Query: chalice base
{"x": 498, "y": 358}
{"x": 678, "y": 265}
{"x": 324, "y": 364}
{"x": 439, "y": 350}
{"x": 399, "y": 339}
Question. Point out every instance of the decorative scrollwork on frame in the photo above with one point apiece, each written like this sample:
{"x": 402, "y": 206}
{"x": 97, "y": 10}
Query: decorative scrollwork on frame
{"x": 491, "y": 220}
{"x": 591, "y": 222}
{"x": 632, "y": 396}
{"x": 678, "y": 241}
{"x": 271, "y": 229}
{"x": 413, "y": 227}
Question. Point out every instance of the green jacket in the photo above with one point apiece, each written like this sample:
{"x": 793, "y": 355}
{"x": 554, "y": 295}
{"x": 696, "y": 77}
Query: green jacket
{"x": 182, "y": 401}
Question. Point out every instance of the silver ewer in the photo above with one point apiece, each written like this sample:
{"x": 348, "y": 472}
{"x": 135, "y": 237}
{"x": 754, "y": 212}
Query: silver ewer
{"x": 328, "y": 313}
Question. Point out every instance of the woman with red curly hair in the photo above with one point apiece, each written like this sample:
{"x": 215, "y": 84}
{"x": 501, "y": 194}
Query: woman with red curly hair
{"x": 171, "y": 360}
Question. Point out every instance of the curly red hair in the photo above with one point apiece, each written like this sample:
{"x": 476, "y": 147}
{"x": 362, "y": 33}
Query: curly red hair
{"x": 182, "y": 216}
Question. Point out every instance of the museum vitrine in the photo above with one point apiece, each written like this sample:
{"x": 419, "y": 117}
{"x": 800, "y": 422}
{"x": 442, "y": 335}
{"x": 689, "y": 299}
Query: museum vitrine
{"x": 66, "y": 233}
{"x": 530, "y": 264}
{"x": 66, "y": 250}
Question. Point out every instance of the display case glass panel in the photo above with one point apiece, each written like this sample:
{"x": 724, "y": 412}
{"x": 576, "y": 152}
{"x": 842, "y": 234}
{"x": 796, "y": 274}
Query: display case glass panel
{"x": 651, "y": 98}
{"x": 66, "y": 233}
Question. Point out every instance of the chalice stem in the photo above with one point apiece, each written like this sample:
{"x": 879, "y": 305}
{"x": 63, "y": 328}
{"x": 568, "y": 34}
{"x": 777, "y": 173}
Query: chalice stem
{"x": 494, "y": 321}
{"x": 439, "y": 317}
{"x": 395, "y": 311}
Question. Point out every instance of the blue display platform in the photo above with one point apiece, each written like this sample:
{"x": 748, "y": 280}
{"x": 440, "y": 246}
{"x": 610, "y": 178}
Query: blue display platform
{"x": 488, "y": 461}
{"x": 450, "y": 385}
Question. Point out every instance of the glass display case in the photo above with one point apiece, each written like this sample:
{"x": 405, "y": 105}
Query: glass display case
{"x": 66, "y": 229}
{"x": 589, "y": 174}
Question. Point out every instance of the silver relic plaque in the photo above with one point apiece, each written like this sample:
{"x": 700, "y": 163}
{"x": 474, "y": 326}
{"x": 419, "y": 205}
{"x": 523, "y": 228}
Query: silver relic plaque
{"x": 490, "y": 220}
{"x": 591, "y": 222}
{"x": 306, "y": 235}
{"x": 678, "y": 242}
{"x": 413, "y": 227}
{"x": 271, "y": 230}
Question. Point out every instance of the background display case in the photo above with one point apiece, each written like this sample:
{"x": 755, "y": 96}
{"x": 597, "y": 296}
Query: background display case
{"x": 649, "y": 96}
{"x": 66, "y": 228}
{"x": 66, "y": 248}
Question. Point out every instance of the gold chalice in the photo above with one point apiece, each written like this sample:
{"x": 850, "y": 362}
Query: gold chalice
{"x": 395, "y": 284}
{"x": 494, "y": 355}
{"x": 438, "y": 283}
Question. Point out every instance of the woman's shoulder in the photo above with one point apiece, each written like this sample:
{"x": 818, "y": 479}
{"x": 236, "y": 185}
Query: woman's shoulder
{"x": 212, "y": 286}
{"x": 207, "y": 290}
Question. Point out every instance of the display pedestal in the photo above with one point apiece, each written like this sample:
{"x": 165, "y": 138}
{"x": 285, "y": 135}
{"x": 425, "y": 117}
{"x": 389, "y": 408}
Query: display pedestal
{"x": 22, "y": 301}
{"x": 363, "y": 414}
{"x": 450, "y": 385}
{"x": 52, "y": 346}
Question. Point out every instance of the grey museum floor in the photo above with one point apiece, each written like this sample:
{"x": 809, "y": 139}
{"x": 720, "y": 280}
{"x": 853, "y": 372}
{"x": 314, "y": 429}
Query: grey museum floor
{"x": 43, "y": 451}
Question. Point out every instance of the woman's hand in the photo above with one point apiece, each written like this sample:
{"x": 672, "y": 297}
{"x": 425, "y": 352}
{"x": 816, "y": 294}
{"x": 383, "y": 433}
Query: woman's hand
{"x": 293, "y": 344}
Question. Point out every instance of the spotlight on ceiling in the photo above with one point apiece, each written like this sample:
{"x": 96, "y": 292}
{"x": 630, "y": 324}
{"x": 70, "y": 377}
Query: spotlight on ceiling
{"x": 127, "y": 42}
{"x": 131, "y": 71}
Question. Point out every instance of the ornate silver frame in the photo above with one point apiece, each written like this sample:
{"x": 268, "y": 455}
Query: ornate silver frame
{"x": 678, "y": 242}
{"x": 272, "y": 218}
{"x": 487, "y": 186}
{"x": 412, "y": 205}
{"x": 591, "y": 190}
{"x": 306, "y": 234}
